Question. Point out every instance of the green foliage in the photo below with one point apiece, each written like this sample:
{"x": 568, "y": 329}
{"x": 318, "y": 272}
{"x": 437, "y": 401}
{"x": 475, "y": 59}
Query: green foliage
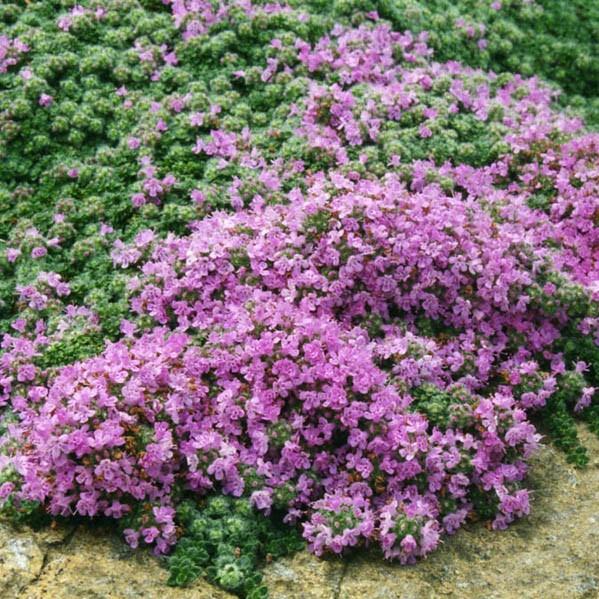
{"x": 71, "y": 348}
{"x": 484, "y": 503}
{"x": 226, "y": 541}
{"x": 557, "y": 419}
{"x": 443, "y": 409}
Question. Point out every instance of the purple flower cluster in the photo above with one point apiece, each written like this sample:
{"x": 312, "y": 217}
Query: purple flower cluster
{"x": 266, "y": 399}
{"x": 376, "y": 89}
{"x": 275, "y": 376}
{"x": 67, "y": 21}
{"x": 10, "y": 50}
{"x": 195, "y": 17}
{"x": 32, "y": 242}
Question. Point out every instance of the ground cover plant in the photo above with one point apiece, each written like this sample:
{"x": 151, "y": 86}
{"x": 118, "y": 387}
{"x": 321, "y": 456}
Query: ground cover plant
{"x": 273, "y": 271}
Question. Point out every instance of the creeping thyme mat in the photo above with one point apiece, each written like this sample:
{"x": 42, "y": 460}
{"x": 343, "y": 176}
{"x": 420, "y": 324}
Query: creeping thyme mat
{"x": 284, "y": 273}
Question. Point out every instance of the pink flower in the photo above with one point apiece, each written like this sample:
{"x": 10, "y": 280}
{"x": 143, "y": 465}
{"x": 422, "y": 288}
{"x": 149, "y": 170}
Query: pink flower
{"x": 424, "y": 131}
{"x": 132, "y": 537}
{"x": 12, "y": 254}
{"x": 45, "y": 100}
{"x": 262, "y": 500}
{"x": 38, "y": 252}
{"x": 138, "y": 199}
{"x": 585, "y": 399}
{"x": 197, "y": 196}
{"x": 150, "y": 534}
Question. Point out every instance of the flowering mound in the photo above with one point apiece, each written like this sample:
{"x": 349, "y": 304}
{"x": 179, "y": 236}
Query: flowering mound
{"x": 344, "y": 284}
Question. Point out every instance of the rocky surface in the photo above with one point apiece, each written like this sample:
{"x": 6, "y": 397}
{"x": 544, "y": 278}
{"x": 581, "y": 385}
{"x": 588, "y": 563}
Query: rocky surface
{"x": 83, "y": 563}
{"x": 551, "y": 554}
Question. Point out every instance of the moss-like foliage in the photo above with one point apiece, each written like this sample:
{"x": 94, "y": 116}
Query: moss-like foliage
{"x": 444, "y": 409}
{"x": 227, "y": 541}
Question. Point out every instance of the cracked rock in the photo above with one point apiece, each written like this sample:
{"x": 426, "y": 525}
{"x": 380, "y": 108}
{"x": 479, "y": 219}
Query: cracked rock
{"x": 21, "y": 561}
{"x": 304, "y": 576}
{"x": 95, "y": 564}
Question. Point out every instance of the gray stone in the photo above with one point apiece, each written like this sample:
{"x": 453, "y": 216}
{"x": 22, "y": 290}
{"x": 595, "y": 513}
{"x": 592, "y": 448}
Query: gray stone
{"x": 21, "y": 561}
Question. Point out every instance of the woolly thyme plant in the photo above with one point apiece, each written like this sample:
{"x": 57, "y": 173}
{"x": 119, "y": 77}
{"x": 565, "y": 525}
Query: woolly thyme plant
{"x": 272, "y": 270}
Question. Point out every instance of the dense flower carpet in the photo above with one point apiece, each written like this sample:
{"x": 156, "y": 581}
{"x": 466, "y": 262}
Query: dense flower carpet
{"x": 312, "y": 272}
